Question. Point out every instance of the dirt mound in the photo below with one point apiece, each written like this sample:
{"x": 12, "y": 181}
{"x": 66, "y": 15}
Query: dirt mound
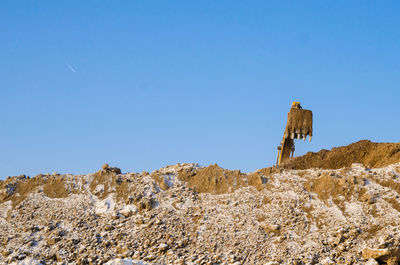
{"x": 18, "y": 188}
{"x": 213, "y": 179}
{"x": 203, "y": 215}
{"x": 208, "y": 215}
{"x": 370, "y": 154}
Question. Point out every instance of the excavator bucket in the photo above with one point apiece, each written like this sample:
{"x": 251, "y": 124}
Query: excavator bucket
{"x": 298, "y": 126}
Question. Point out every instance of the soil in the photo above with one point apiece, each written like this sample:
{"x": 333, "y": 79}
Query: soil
{"x": 213, "y": 179}
{"x": 370, "y": 154}
{"x": 203, "y": 215}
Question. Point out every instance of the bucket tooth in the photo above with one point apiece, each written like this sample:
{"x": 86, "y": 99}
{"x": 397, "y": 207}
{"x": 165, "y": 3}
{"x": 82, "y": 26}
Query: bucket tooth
{"x": 309, "y": 138}
{"x": 298, "y": 136}
{"x": 292, "y": 135}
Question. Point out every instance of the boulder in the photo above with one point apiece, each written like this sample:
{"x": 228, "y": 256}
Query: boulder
{"x": 390, "y": 256}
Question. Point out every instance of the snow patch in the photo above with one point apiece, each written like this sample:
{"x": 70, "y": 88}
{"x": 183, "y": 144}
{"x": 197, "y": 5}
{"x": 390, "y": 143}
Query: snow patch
{"x": 126, "y": 261}
{"x": 170, "y": 179}
{"x": 105, "y": 206}
{"x": 128, "y": 209}
{"x": 27, "y": 261}
{"x": 175, "y": 168}
{"x": 99, "y": 189}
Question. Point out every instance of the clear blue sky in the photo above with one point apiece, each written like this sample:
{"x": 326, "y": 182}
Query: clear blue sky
{"x": 144, "y": 84}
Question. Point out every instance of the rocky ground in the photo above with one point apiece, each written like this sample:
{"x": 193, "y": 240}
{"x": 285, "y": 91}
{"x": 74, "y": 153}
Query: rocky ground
{"x": 187, "y": 214}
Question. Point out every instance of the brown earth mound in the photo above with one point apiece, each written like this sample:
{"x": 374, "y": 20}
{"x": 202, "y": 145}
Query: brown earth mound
{"x": 18, "y": 188}
{"x": 213, "y": 179}
{"x": 370, "y": 154}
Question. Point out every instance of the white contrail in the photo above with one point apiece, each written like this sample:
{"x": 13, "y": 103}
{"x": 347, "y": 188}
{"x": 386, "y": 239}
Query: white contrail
{"x": 70, "y": 67}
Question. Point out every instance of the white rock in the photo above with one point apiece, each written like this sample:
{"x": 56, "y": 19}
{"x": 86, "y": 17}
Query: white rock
{"x": 128, "y": 210}
{"x": 371, "y": 262}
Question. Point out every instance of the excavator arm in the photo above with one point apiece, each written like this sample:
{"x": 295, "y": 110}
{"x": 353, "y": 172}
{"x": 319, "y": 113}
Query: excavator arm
{"x": 298, "y": 126}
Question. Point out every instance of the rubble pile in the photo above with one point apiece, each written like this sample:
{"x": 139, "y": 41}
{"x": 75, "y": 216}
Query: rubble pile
{"x": 187, "y": 214}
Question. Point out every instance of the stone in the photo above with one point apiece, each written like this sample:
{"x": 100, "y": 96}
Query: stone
{"x": 163, "y": 247}
{"x": 6, "y": 252}
{"x": 164, "y": 185}
{"x": 371, "y": 262}
{"x": 337, "y": 240}
{"x": 370, "y": 253}
{"x": 327, "y": 261}
{"x": 388, "y": 255}
{"x": 128, "y": 210}
{"x": 52, "y": 240}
